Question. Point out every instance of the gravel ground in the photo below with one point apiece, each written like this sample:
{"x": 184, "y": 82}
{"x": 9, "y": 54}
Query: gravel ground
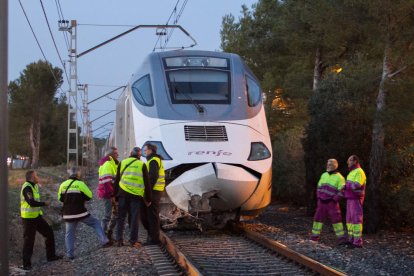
{"x": 90, "y": 259}
{"x": 386, "y": 253}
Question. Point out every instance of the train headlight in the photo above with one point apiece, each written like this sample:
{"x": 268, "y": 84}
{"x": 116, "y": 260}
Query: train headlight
{"x": 160, "y": 150}
{"x": 258, "y": 151}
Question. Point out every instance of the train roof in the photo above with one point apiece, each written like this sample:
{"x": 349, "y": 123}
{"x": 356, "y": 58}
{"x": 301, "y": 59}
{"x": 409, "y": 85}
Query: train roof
{"x": 181, "y": 52}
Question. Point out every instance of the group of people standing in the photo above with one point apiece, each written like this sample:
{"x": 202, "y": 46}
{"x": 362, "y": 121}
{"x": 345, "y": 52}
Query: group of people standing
{"x": 132, "y": 187}
{"x": 128, "y": 187}
{"x": 332, "y": 187}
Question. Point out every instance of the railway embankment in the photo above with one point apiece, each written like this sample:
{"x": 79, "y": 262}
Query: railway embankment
{"x": 385, "y": 253}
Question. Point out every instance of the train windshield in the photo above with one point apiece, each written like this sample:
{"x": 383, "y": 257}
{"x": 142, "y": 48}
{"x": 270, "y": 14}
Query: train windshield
{"x": 198, "y": 80}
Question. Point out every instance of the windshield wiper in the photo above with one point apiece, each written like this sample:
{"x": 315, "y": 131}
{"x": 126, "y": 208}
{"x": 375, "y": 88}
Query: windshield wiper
{"x": 199, "y": 108}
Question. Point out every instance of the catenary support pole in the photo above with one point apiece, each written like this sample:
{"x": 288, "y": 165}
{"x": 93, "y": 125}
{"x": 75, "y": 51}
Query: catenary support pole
{"x": 4, "y": 256}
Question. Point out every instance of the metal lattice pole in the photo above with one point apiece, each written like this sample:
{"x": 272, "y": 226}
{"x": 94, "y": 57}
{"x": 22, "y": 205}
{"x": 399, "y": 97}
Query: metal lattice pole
{"x": 83, "y": 88}
{"x": 72, "y": 141}
{"x": 87, "y": 141}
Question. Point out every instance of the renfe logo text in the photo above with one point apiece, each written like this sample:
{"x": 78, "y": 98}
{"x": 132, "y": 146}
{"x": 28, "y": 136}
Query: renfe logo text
{"x": 210, "y": 152}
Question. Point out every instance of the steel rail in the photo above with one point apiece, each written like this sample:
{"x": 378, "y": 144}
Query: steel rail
{"x": 308, "y": 263}
{"x": 285, "y": 251}
{"x": 178, "y": 256}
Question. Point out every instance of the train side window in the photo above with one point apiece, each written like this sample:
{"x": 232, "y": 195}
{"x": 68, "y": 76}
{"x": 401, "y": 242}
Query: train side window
{"x": 253, "y": 92}
{"x": 142, "y": 91}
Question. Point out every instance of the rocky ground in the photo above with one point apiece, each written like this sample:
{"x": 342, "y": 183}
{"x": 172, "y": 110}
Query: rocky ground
{"x": 386, "y": 253}
{"x": 90, "y": 258}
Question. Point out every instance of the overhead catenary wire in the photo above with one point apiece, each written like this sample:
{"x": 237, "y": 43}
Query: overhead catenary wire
{"x": 106, "y": 25}
{"x": 61, "y": 17}
{"x": 38, "y": 44}
{"x": 168, "y": 20}
{"x": 54, "y": 42}
{"x": 175, "y": 22}
{"x": 104, "y": 85}
{"x": 170, "y": 32}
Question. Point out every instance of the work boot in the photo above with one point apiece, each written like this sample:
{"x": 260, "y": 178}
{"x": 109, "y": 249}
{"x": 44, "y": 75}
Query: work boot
{"x": 136, "y": 244}
{"x": 120, "y": 243}
{"x": 152, "y": 242}
{"x": 108, "y": 244}
{"x": 109, "y": 235}
{"x": 26, "y": 267}
{"x": 55, "y": 258}
{"x": 341, "y": 241}
{"x": 314, "y": 238}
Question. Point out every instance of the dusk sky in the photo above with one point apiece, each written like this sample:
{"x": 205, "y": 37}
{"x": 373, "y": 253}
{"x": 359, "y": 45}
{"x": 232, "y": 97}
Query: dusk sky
{"x": 113, "y": 64}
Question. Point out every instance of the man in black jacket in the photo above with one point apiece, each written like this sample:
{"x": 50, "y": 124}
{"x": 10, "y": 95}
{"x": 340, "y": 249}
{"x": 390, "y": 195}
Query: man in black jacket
{"x": 33, "y": 221}
{"x": 150, "y": 214}
{"x": 74, "y": 193}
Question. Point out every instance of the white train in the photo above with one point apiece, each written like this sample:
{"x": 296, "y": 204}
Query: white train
{"x": 204, "y": 111}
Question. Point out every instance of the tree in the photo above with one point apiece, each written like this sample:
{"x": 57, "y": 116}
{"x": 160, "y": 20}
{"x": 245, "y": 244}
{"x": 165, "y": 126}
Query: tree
{"x": 54, "y": 130}
{"x": 342, "y": 71}
{"x": 340, "y": 118}
{"x": 394, "y": 19}
{"x": 31, "y": 99}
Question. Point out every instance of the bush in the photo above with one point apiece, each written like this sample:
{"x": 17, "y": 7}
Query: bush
{"x": 399, "y": 203}
{"x": 288, "y": 166}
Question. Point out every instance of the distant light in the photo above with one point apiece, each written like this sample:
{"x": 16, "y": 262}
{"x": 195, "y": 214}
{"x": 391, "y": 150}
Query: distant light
{"x": 337, "y": 69}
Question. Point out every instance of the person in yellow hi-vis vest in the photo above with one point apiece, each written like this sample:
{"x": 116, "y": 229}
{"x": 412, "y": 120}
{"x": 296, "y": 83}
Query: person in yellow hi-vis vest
{"x": 73, "y": 193}
{"x": 132, "y": 190}
{"x": 150, "y": 214}
{"x": 354, "y": 193}
{"x": 329, "y": 193}
{"x": 33, "y": 221}
{"x": 107, "y": 172}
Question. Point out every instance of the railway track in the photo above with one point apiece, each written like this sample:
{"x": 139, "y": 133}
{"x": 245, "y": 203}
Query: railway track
{"x": 237, "y": 251}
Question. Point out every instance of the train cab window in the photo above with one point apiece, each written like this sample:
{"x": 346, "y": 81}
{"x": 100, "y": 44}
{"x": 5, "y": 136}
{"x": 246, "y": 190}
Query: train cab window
{"x": 142, "y": 91}
{"x": 198, "y": 79}
{"x": 203, "y": 86}
{"x": 253, "y": 92}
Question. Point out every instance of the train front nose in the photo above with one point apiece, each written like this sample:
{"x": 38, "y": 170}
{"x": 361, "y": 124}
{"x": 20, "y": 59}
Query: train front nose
{"x": 211, "y": 187}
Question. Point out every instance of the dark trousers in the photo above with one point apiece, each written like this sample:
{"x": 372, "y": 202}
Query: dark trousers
{"x": 150, "y": 217}
{"x": 131, "y": 205}
{"x": 30, "y": 226}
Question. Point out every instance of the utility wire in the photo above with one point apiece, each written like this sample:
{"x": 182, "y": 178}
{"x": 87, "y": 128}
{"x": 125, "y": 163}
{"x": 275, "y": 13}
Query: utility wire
{"x": 103, "y": 85}
{"x": 54, "y": 42}
{"x": 170, "y": 32}
{"x": 106, "y": 25}
{"x": 175, "y": 23}
{"x": 168, "y": 20}
{"x": 61, "y": 17}
{"x": 38, "y": 44}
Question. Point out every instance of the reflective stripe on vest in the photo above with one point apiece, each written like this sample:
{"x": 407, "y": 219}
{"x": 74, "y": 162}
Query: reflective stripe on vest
{"x": 132, "y": 181}
{"x": 26, "y": 211}
{"x": 160, "y": 185}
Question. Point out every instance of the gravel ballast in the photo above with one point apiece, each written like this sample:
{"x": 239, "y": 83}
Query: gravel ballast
{"x": 385, "y": 253}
